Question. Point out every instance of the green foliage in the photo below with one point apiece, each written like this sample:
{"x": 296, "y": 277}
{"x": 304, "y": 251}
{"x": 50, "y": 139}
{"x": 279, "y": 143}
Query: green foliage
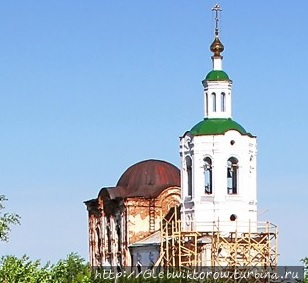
{"x": 6, "y": 220}
{"x": 22, "y": 270}
{"x": 305, "y": 262}
{"x": 71, "y": 270}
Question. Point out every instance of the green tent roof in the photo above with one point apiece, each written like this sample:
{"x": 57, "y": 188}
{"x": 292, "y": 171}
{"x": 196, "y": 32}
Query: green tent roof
{"x": 217, "y": 75}
{"x": 217, "y": 126}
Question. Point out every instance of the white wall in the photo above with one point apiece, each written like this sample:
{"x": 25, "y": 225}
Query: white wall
{"x": 145, "y": 254}
{"x": 218, "y": 206}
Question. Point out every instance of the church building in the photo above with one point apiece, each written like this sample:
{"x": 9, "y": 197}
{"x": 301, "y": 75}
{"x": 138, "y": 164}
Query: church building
{"x": 203, "y": 214}
{"x": 122, "y": 218}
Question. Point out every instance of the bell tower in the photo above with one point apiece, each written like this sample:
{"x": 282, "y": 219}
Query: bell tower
{"x": 218, "y": 159}
{"x": 217, "y": 85}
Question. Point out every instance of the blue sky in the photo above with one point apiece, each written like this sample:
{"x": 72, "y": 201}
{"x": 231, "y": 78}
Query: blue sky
{"x": 88, "y": 88}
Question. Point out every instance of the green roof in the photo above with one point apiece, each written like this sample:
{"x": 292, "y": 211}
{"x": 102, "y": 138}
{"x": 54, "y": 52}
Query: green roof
{"x": 217, "y": 75}
{"x": 217, "y": 126}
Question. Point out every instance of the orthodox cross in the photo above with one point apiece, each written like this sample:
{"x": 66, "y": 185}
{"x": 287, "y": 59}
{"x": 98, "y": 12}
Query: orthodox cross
{"x": 217, "y": 9}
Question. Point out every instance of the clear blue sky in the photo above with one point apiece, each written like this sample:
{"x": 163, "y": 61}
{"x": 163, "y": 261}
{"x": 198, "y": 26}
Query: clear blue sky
{"x": 88, "y": 88}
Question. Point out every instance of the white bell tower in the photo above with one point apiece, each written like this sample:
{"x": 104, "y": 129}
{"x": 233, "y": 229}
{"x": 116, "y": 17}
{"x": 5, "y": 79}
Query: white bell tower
{"x": 218, "y": 160}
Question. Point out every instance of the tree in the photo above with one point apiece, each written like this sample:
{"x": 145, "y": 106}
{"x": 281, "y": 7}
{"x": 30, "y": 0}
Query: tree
{"x": 23, "y": 270}
{"x": 305, "y": 262}
{"x": 73, "y": 269}
{"x": 6, "y": 220}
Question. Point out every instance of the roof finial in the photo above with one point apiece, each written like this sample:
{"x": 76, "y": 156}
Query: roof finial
{"x": 217, "y": 9}
{"x": 217, "y": 47}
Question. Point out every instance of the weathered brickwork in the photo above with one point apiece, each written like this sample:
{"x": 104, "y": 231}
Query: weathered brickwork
{"x": 131, "y": 211}
{"x": 114, "y": 225}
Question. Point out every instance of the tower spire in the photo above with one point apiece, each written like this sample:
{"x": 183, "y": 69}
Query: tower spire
{"x": 217, "y": 85}
{"x": 217, "y": 9}
{"x": 217, "y": 47}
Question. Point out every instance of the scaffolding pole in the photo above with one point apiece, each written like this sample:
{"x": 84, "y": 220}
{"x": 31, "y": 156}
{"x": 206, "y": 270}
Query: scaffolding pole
{"x": 251, "y": 250}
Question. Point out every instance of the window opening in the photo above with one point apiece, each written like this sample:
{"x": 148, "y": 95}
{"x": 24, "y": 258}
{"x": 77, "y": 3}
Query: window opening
{"x": 214, "y": 101}
{"x": 223, "y": 102}
{"x": 189, "y": 175}
{"x": 208, "y": 175}
{"x": 232, "y": 176}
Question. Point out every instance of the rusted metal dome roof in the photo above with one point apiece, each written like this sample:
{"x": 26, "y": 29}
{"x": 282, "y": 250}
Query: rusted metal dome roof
{"x": 147, "y": 179}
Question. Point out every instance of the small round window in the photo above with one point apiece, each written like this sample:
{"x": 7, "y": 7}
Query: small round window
{"x": 233, "y": 217}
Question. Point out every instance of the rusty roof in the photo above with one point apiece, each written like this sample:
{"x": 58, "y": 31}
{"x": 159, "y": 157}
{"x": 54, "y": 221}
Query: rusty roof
{"x": 145, "y": 179}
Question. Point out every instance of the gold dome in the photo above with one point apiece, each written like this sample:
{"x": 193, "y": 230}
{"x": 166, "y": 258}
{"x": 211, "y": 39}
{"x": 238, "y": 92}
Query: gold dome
{"x": 217, "y": 47}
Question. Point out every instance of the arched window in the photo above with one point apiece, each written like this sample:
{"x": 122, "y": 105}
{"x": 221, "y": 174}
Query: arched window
{"x": 223, "y": 102}
{"x": 208, "y": 175}
{"x": 232, "y": 175}
{"x": 119, "y": 232}
{"x": 207, "y": 103}
{"x": 214, "y": 101}
{"x": 189, "y": 175}
{"x": 109, "y": 236}
{"x": 98, "y": 237}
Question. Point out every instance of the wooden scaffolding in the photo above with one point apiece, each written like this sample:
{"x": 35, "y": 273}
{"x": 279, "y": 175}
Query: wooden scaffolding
{"x": 252, "y": 249}
{"x": 178, "y": 248}
{"x": 233, "y": 249}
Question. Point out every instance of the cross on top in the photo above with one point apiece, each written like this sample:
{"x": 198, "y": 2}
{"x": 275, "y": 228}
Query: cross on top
{"x": 217, "y": 9}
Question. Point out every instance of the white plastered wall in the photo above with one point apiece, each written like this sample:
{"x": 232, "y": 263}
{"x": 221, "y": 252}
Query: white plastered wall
{"x": 200, "y": 210}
